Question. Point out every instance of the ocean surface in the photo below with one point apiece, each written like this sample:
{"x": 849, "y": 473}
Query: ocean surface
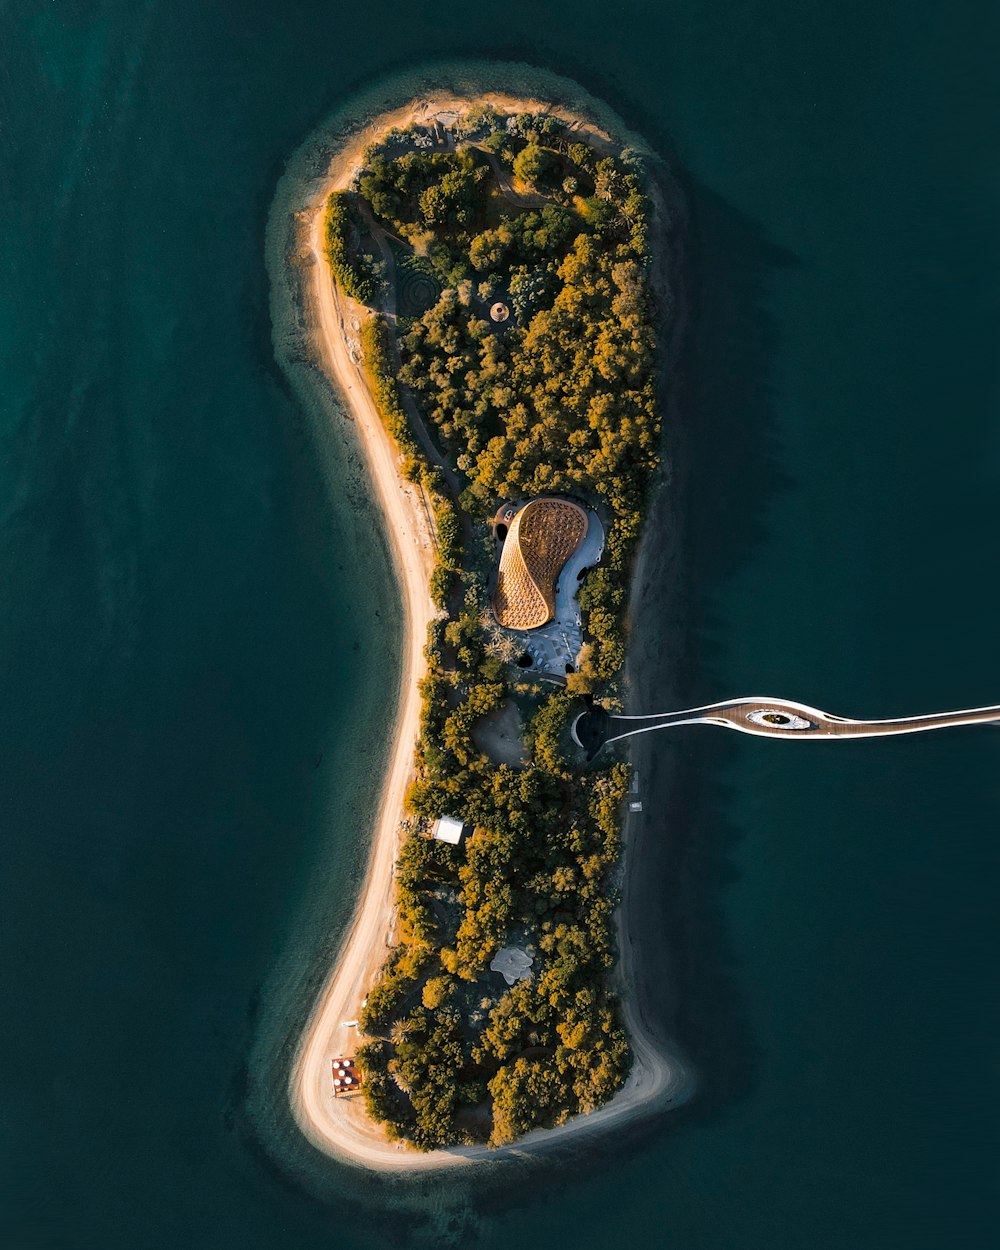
{"x": 198, "y": 629}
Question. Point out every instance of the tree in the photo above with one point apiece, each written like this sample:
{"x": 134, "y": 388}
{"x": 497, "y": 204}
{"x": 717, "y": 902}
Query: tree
{"x": 547, "y": 732}
{"x": 526, "y": 1094}
{"x": 582, "y": 155}
{"x": 361, "y": 276}
{"x": 436, "y": 990}
{"x": 606, "y": 180}
{"x": 532, "y": 164}
{"x": 530, "y": 289}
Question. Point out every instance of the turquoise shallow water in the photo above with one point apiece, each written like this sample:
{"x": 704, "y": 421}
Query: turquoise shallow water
{"x": 197, "y": 604}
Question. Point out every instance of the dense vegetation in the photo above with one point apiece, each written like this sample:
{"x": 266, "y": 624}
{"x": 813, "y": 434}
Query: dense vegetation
{"x": 561, "y": 398}
{"x": 357, "y": 271}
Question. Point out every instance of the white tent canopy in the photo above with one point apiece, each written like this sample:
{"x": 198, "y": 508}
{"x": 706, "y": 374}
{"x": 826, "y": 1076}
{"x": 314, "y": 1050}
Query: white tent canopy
{"x": 448, "y": 829}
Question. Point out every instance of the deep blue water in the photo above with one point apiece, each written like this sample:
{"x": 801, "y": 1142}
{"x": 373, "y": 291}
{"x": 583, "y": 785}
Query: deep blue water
{"x": 192, "y": 662}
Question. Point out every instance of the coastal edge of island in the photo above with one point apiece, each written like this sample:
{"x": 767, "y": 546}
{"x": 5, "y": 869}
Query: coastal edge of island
{"x": 315, "y": 324}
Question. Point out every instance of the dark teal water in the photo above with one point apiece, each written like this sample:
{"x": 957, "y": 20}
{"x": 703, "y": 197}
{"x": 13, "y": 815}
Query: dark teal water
{"x": 191, "y": 659}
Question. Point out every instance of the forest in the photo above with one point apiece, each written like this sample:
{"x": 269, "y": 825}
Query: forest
{"x": 561, "y": 397}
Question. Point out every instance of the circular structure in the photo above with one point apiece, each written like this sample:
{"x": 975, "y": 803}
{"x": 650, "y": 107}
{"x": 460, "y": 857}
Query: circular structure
{"x": 418, "y": 292}
{"x": 499, "y": 312}
{"x": 417, "y": 285}
{"x": 501, "y": 522}
{"x": 773, "y": 718}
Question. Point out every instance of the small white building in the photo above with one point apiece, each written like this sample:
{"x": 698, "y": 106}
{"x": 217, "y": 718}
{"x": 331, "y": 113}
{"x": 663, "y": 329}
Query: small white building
{"x": 448, "y": 829}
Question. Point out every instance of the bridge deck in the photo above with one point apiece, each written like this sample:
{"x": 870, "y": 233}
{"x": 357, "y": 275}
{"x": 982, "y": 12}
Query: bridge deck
{"x": 735, "y": 714}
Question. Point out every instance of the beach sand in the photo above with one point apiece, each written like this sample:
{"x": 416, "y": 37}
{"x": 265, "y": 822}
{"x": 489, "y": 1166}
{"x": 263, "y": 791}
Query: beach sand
{"x": 340, "y": 1127}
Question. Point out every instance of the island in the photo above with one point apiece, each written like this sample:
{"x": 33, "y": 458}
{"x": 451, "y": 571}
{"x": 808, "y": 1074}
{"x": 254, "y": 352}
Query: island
{"x": 485, "y": 281}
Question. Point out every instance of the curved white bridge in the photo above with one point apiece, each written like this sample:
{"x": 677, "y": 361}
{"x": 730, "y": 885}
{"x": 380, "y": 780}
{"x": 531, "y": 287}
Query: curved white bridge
{"x": 780, "y": 718}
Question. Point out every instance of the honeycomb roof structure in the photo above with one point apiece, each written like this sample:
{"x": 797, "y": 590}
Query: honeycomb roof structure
{"x": 542, "y": 537}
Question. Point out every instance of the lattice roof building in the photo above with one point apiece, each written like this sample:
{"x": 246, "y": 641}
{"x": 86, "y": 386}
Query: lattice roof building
{"x": 542, "y": 537}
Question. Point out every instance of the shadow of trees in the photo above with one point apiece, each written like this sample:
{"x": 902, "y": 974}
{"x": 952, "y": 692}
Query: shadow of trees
{"x": 724, "y": 461}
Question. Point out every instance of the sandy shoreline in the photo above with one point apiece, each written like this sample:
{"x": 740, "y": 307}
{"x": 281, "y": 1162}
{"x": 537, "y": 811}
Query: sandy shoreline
{"x": 341, "y": 1128}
